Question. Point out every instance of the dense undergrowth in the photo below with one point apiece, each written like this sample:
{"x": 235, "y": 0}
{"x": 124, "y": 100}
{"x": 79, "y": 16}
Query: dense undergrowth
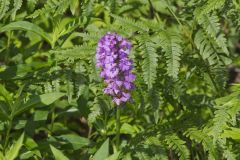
{"x": 52, "y": 104}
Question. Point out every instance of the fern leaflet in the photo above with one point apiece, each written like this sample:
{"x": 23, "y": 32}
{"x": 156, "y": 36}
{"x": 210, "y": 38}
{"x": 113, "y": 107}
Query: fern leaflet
{"x": 150, "y": 56}
{"x": 131, "y": 24}
{"x": 16, "y": 7}
{"x": 170, "y": 44}
{"x": 4, "y": 6}
{"x": 201, "y": 137}
{"x": 211, "y": 25}
{"x": 78, "y": 52}
{"x": 210, "y": 6}
{"x": 208, "y": 50}
{"x": 227, "y": 109}
{"x": 52, "y": 6}
{"x": 178, "y": 145}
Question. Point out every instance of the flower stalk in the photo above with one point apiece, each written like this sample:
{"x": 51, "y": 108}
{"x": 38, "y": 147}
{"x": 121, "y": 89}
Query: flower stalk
{"x": 118, "y": 127}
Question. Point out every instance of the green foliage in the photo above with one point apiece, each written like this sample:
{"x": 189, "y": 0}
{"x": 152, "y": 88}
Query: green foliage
{"x": 12, "y": 152}
{"x": 184, "y": 106}
{"x": 206, "y": 141}
{"x": 178, "y": 145}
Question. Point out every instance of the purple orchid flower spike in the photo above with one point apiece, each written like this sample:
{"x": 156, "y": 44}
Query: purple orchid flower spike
{"x": 112, "y": 58}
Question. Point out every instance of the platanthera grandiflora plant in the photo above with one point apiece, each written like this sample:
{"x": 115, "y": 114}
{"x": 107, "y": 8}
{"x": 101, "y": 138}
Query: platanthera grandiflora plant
{"x": 116, "y": 69}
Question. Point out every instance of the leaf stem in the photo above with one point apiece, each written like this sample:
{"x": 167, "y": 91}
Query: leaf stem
{"x": 174, "y": 15}
{"x": 9, "y": 126}
{"x": 52, "y": 119}
{"x": 118, "y": 126}
{"x": 151, "y": 9}
{"x": 8, "y": 46}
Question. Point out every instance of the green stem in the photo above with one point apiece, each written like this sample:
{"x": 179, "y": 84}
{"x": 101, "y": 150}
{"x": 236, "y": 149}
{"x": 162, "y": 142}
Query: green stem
{"x": 53, "y": 116}
{"x": 151, "y": 14}
{"x": 9, "y": 126}
{"x": 8, "y": 46}
{"x": 174, "y": 15}
{"x": 52, "y": 119}
{"x": 118, "y": 126}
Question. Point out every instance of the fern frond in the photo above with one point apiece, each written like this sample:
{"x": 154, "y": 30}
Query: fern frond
{"x": 78, "y": 52}
{"x": 51, "y": 6}
{"x": 178, "y": 145}
{"x": 150, "y": 56}
{"x": 210, "y": 6}
{"x": 56, "y": 85}
{"x": 4, "y": 6}
{"x": 125, "y": 8}
{"x": 69, "y": 86}
{"x": 202, "y": 138}
{"x": 131, "y": 24}
{"x": 31, "y": 4}
{"x": 16, "y": 6}
{"x": 205, "y": 47}
{"x": 226, "y": 110}
{"x": 222, "y": 43}
{"x": 229, "y": 155}
{"x": 62, "y": 7}
{"x": 214, "y": 5}
{"x": 47, "y": 87}
{"x": 211, "y": 25}
{"x": 95, "y": 111}
{"x": 94, "y": 36}
{"x": 171, "y": 45}
{"x": 208, "y": 50}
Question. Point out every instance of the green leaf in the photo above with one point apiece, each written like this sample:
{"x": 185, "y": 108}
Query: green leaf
{"x": 234, "y": 133}
{"x": 12, "y": 153}
{"x": 39, "y": 100}
{"x": 32, "y": 146}
{"x": 74, "y": 5}
{"x": 103, "y": 151}
{"x": 1, "y": 156}
{"x": 22, "y": 70}
{"x": 76, "y": 141}
{"x": 40, "y": 115}
{"x": 114, "y": 156}
{"x": 5, "y": 94}
{"x": 3, "y": 117}
{"x": 127, "y": 129}
{"x": 27, "y": 26}
{"x": 58, "y": 154}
